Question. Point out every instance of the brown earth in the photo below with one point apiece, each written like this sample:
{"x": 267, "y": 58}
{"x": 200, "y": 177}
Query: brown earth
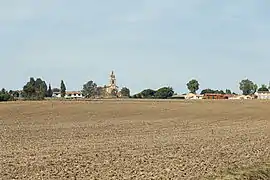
{"x": 132, "y": 139}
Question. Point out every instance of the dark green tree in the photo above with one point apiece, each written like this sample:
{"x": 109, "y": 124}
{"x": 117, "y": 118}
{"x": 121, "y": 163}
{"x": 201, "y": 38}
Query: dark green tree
{"x": 56, "y": 90}
{"x": 35, "y": 89}
{"x": 137, "y": 96}
{"x": 228, "y": 91}
{"x": 40, "y": 88}
{"x": 125, "y": 92}
{"x": 207, "y": 91}
{"x": 211, "y": 91}
{"x": 63, "y": 89}
{"x": 4, "y": 95}
{"x": 29, "y": 91}
{"x": 220, "y": 92}
{"x": 164, "y": 93}
{"x": 263, "y": 88}
{"x": 193, "y": 86}
{"x": 3, "y": 91}
{"x": 16, "y": 94}
{"x": 100, "y": 91}
{"x": 89, "y": 89}
{"x": 247, "y": 87}
{"x": 147, "y": 93}
{"x": 49, "y": 92}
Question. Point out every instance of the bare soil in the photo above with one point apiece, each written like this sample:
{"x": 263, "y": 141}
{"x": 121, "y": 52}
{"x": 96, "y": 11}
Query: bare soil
{"x": 132, "y": 139}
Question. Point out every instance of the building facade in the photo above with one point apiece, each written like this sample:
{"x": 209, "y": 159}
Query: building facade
{"x": 216, "y": 96}
{"x": 262, "y": 95}
{"x": 111, "y": 89}
{"x": 69, "y": 94}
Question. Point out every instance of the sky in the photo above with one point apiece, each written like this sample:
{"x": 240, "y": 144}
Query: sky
{"x": 148, "y": 43}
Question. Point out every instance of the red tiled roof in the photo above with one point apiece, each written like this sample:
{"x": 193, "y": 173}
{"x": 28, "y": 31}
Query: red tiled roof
{"x": 73, "y": 92}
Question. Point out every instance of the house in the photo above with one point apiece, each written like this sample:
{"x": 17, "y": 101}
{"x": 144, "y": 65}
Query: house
{"x": 262, "y": 95}
{"x": 241, "y": 97}
{"x": 187, "y": 96}
{"x": 213, "y": 96}
{"x": 193, "y": 96}
{"x": 73, "y": 94}
{"x": 56, "y": 94}
{"x": 69, "y": 94}
{"x": 217, "y": 96}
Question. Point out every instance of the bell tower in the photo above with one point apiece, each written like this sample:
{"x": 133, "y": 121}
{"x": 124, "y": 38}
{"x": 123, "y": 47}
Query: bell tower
{"x": 112, "y": 80}
{"x": 112, "y": 88}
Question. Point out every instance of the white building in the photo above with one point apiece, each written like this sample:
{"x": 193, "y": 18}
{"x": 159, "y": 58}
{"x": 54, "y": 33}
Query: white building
{"x": 241, "y": 97}
{"x": 188, "y": 96}
{"x": 193, "y": 96}
{"x": 263, "y": 95}
{"x": 69, "y": 94}
{"x": 56, "y": 94}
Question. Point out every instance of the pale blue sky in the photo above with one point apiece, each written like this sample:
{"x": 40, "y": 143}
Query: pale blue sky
{"x": 148, "y": 43}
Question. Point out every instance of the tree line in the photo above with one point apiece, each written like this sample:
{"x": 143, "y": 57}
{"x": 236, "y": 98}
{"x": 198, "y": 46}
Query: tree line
{"x": 37, "y": 89}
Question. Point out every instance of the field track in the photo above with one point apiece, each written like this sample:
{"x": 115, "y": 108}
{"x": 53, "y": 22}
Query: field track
{"x": 132, "y": 139}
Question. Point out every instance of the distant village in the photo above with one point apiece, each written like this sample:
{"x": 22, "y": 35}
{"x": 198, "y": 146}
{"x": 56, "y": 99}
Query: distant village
{"x": 257, "y": 95}
{"x": 38, "y": 90}
{"x": 112, "y": 87}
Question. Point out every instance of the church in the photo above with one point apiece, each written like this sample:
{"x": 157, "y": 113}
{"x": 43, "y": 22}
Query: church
{"x": 111, "y": 89}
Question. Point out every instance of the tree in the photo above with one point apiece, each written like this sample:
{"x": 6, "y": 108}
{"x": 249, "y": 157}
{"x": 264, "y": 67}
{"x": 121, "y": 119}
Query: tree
{"x": 16, "y": 94}
{"x": 35, "y": 89}
{"x": 211, "y": 91}
{"x": 4, "y": 95}
{"x": 49, "y": 92}
{"x": 56, "y": 90}
{"x": 40, "y": 88}
{"x": 63, "y": 89}
{"x": 263, "y": 88}
{"x": 137, "y": 96}
{"x": 3, "y": 91}
{"x": 147, "y": 93}
{"x": 164, "y": 93}
{"x": 89, "y": 89}
{"x": 247, "y": 87}
{"x": 255, "y": 88}
{"x": 220, "y": 92}
{"x": 125, "y": 92}
{"x": 193, "y": 86}
{"x": 29, "y": 90}
{"x": 227, "y": 91}
{"x": 100, "y": 91}
{"x": 207, "y": 91}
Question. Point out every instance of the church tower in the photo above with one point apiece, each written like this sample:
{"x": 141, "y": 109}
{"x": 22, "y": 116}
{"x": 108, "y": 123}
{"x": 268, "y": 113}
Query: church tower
{"x": 112, "y": 80}
{"x": 112, "y": 88}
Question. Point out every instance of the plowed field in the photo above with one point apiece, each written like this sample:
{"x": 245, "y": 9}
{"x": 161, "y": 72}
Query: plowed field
{"x": 131, "y": 139}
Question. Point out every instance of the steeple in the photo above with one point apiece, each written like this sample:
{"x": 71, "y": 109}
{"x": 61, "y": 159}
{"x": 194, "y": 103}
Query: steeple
{"x": 112, "y": 79}
{"x": 112, "y": 88}
{"x": 112, "y": 75}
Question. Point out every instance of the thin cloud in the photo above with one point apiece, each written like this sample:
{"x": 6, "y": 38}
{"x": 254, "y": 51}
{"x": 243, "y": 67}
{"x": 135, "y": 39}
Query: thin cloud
{"x": 155, "y": 10}
{"x": 17, "y": 10}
